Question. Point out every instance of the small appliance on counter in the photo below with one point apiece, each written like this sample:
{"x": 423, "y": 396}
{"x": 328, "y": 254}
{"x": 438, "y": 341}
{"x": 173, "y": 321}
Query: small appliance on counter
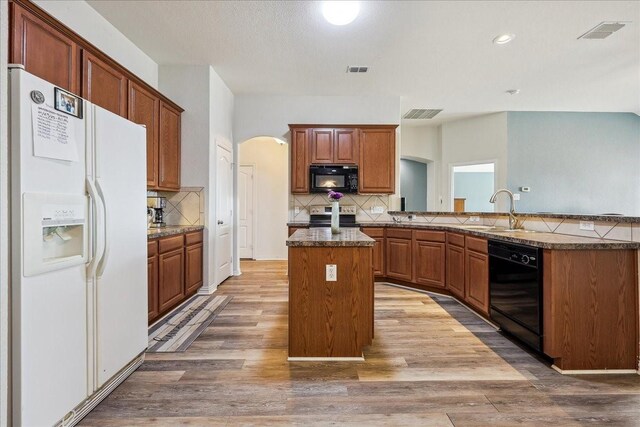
{"x": 157, "y": 204}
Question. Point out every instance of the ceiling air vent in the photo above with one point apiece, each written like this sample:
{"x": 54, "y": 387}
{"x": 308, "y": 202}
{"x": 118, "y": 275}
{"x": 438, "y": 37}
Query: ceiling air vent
{"x": 421, "y": 113}
{"x": 357, "y": 69}
{"x": 602, "y": 30}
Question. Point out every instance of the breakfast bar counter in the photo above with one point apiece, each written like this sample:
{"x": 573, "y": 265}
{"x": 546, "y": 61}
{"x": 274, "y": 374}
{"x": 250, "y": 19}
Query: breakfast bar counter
{"x": 330, "y": 294}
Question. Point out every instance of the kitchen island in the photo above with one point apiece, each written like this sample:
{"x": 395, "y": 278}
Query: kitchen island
{"x": 330, "y": 294}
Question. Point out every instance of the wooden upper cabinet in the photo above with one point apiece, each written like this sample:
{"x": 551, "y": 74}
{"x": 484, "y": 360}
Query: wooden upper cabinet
{"x": 43, "y": 50}
{"x": 103, "y": 84}
{"x": 377, "y": 166}
{"x": 169, "y": 148}
{"x": 345, "y": 146}
{"x": 144, "y": 109}
{"x": 321, "y": 145}
{"x": 299, "y": 160}
{"x": 334, "y": 146}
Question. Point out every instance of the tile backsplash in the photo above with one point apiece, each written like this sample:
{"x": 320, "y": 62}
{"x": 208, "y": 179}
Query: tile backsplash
{"x": 185, "y": 207}
{"x": 365, "y": 206}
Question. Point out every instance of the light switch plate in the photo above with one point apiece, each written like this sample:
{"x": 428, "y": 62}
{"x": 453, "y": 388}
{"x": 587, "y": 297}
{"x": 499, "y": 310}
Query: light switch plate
{"x": 516, "y": 196}
{"x": 474, "y": 219}
{"x": 332, "y": 273}
{"x": 587, "y": 225}
{"x": 377, "y": 209}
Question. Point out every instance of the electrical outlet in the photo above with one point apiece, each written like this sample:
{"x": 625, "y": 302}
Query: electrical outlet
{"x": 296, "y": 210}
{"x": 332, "y": 272}
{"x": 516, "y": 196}
{"x": 474, "y": 219}
{"x": 377, "y": 209}
{"x": 587, "y": 225}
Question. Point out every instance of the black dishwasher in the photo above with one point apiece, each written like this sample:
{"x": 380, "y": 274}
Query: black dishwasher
{"x": 515, "y": 290}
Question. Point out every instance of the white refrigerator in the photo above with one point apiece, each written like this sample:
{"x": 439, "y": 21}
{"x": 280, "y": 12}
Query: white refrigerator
{"x": 78, "y": 251}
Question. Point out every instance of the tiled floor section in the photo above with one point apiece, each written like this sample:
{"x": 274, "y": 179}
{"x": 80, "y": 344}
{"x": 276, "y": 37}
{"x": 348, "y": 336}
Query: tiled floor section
{"x": 433, "y": 363}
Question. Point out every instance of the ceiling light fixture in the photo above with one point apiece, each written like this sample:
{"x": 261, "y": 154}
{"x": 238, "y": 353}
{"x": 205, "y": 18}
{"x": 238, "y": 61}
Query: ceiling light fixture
{"x": 503, "y": 38}
{"x": 340, "y": 12}
{"x": 513, "y": 91}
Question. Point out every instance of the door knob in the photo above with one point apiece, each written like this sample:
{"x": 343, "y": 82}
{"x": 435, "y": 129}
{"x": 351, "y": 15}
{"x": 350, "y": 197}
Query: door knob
{"x": 220, "y": 222}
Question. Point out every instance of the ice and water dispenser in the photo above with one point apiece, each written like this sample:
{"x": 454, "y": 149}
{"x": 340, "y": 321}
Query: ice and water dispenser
{"x": 54, "y": 232}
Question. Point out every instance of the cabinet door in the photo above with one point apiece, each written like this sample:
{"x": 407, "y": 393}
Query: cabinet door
{"x": 152, "y": 288}
{"x": 345, "y": 146}
{"x": 43, "y": 50}
{"x": 322, "y": 145}
{"x": 193, "y": 262}
{"x": 171, "y": 279}
{"x": 169, "y": 148}
{"x": 477, "y": 280}
{"x": 144, "y": 109}
{"x": 399, "y": 258}
{"x": 378, "y": 256}
{"x": 455, "y": 270}
{"x": 103, "y": 84}
{"x": 429, "y": 263}
{"x": 299, "y": 161}
{"x": 377, "y": 163}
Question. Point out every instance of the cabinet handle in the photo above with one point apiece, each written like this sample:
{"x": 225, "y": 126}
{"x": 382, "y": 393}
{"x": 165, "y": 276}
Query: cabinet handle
{"x": 220, "y": 222}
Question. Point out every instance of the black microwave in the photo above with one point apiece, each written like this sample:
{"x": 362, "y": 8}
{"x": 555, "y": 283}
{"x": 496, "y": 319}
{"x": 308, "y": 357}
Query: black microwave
{"x": 340, "y": 178}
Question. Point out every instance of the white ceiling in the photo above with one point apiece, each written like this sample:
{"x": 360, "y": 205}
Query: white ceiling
{"x": 436, "y": 54}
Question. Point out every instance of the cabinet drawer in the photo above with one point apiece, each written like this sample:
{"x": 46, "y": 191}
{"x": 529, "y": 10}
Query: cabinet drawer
{"x": 152, "y": 248}
{"x": 170, "y": 243}
{"x": 455, "y": 239}
{"x": 477, "y": 244}
{"x": 399, "y": 233}
{"x": 430, "y": 236}
{"x": 373, "y": 232}
{"x": 193, "y": 238}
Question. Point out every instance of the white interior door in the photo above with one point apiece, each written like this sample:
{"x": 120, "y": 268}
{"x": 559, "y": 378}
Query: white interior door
{"x": 224, "y": 214}
{"x": 245, "y": 213}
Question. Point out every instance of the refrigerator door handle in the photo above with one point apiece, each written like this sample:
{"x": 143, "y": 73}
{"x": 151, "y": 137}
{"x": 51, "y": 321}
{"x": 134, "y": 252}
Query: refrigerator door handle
{"x": 105, "y": 252}
{"x": 96, "y": 226}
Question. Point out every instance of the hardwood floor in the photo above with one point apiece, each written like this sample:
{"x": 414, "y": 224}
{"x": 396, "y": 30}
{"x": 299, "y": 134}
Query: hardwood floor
{"x": 432, "y": 363}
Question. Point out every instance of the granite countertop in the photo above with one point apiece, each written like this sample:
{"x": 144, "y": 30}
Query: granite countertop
{"x": 584, "y": 217}
{"x": 536, "y": 239}
{"x": 170, "y": 230}
{"x": 348, "y": 237}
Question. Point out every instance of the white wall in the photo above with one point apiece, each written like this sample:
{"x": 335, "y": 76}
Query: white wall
{"x": 84, "y": 20}
{"x": 208, "y": 105}
{"x": 480, "y": 139}
{"x": 270, "y": 115}
{"x": 4, "y": 226}
{"x": 270, "y": 161}
{"x": 423, "y": 143}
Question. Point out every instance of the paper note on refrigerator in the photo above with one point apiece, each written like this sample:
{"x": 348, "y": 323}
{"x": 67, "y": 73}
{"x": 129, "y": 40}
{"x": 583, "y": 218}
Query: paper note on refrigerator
{"x": 54, "y": 134}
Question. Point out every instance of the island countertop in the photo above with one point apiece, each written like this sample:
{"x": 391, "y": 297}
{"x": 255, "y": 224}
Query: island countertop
{"x": 347, "y": 237}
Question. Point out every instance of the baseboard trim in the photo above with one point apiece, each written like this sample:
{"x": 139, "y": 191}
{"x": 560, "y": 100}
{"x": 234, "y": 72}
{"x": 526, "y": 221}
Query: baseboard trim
{"x": 81, "y": 411}
{"x": 207, "y": 290}
{"x": 326, "y": 359}
{"x": 594, "y": 371}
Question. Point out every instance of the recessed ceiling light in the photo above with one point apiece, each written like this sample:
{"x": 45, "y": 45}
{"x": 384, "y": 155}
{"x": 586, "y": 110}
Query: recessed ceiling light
{"x": 513, "y": 91}
{"x": 340, "y": 12}
{"x": 504, "y": 38}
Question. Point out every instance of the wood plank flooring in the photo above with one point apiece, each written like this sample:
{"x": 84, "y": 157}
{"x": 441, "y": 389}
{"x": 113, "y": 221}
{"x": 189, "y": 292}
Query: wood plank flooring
{"x": 432, "y": 363}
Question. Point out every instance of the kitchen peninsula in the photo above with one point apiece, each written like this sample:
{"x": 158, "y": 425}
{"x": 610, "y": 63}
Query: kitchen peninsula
{"x": 330, "y": 294}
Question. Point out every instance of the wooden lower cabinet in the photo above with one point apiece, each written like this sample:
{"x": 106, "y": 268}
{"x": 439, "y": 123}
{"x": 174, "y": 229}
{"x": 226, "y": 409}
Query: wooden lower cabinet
{"x": 455, "y": 270}
{"x": 171, "y": 279}
{"x": 477, "y": 280}
{"x": 152, "y": 280}
{"x": 378, "y": 260}
{"x": 294, "y": 229}
{"x": 428, "y": 255}
{"x": 193, "y": 270}
{"x": 174, "y": 271}
{"x": 398, "y": 254}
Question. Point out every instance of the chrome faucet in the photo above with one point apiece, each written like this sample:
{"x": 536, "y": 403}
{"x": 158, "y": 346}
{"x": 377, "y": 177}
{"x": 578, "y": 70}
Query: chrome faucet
{"x": 514, "y": 222}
